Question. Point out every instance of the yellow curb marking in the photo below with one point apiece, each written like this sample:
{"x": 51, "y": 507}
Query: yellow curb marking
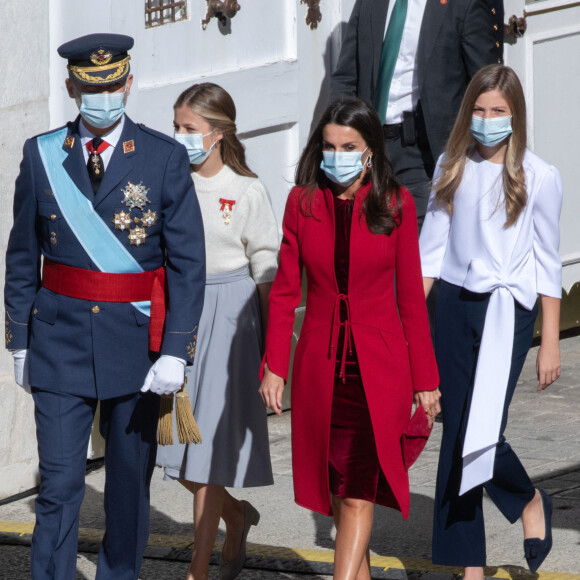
{"x": 324, "y": 556}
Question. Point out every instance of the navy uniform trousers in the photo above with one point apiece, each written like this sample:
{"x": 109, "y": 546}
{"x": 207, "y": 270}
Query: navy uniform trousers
{"x": 458, "y": 526}
{"x": 63, "y": 424}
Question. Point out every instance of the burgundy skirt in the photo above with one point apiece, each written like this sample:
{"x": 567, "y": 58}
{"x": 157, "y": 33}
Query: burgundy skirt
{"x": 353, "y": 465}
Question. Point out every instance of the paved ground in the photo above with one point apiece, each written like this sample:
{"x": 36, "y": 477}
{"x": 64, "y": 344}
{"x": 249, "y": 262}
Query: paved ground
{"x": 291, "y": 542}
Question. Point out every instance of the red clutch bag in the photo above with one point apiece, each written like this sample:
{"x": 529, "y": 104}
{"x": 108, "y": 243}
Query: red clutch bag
{"x": 415, "y": 437}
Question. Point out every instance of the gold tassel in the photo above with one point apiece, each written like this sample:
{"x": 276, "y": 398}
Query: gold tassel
{"x": 187, "y": 429}
{"x": 165, "y": 427}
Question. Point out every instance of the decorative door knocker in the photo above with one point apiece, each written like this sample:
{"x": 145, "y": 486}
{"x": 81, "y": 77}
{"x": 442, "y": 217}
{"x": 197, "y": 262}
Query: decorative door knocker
{"x": 515, "y": 26}
{"x": 220, "y": 9}
{"x": 313, "y": 16}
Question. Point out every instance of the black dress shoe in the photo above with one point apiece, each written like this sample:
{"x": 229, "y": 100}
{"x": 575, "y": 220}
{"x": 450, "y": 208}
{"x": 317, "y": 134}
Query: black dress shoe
{"x": 535, "y": 549}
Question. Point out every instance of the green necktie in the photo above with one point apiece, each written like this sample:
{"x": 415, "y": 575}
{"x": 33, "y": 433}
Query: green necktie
{"x": 389, "y": 55}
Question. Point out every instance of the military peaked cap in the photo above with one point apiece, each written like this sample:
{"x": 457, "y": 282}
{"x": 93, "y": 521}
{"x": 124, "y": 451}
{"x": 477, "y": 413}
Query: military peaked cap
{"x": 98, "y": 59}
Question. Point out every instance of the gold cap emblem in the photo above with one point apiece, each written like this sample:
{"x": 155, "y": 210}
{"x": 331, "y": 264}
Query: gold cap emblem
{"x": 101, "y": 57}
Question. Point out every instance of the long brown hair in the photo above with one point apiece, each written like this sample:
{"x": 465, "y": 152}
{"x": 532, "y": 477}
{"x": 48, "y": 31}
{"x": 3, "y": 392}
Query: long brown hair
{"x": 216, "y": 106}
{"x": 504, "y": 79}
{"x": 378, "y": 208}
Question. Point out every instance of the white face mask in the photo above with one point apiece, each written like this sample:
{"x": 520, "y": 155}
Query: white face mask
{"x": 194, "y": 144}
{"x": 102, "y": 110}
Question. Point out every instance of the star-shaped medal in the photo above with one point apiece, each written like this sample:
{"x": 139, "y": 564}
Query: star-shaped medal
{"x": 135, "y": 195}
{"x": 149, "y": 219}
{"x": 137, "y": 236}
{"x": 122, "y": 221}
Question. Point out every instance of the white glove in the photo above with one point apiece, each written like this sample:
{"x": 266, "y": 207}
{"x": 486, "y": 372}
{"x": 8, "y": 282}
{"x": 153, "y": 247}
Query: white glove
{"x": 166, "y": 376}
{"x": 21, "y": 368}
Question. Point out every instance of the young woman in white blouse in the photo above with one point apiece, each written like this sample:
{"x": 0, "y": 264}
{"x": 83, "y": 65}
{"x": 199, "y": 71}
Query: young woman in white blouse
{"x": 241, "y": 236}
{"x": 491, "y": 236}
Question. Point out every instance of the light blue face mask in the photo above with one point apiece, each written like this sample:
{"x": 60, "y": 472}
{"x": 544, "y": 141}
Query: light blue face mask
{"x": 194, "y": 144}
{"x": 102, "y": 110}
{"x": 491, "y": 131}
{"x": 342, "y": 167}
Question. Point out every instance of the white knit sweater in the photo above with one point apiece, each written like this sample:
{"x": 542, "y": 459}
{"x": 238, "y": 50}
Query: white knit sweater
{"x": 241, "y": 233}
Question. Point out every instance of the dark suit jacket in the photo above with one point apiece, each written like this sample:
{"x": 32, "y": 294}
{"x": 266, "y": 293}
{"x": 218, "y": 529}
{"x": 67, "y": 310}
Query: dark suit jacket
{"x": 456, "y": 40}
{"x": 105, "y": 354}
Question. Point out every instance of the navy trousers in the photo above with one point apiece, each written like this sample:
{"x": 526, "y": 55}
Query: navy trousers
{"x": 458, "y": 527}
{"x": 63, "y": 426}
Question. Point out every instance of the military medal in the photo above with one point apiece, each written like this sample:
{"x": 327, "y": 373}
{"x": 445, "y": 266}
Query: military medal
{"x": 149, "y": 219}
{"x": 137, "y": 236}
{"x": 135, "y": 195}
{"x": 226, "y": 208}
{"x": 96, "y": 165}
{"x": 122, "y": 221}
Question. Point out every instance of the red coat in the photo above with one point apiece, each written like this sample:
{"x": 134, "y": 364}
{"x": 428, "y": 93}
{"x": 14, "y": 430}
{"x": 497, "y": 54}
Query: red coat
{"x": 394, "y": 347}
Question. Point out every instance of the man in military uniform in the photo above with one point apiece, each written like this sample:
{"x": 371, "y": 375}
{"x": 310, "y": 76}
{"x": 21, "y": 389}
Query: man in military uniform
{"x": 413, "y": 60}
{"x": 110, "y": 312}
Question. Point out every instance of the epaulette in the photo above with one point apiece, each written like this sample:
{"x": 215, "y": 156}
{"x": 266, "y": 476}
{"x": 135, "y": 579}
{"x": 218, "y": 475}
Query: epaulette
{"x": 157, "y": 134}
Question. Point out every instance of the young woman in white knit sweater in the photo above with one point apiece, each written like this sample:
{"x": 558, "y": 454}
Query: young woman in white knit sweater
{"x": 241, "y": 235}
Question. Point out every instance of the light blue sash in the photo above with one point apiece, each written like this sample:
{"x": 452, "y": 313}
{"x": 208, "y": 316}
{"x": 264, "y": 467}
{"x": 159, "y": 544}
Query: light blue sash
{"x": 98, "y": 240}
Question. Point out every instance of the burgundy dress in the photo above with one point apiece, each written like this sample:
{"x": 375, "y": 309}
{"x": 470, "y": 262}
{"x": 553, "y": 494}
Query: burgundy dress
{"x": 353, "y": 465}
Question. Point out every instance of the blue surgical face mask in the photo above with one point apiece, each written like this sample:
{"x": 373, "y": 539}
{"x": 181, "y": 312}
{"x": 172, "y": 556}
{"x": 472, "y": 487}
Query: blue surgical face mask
{"x": 342, "y": 167}
{"x": 102, "y": 110}
{"x": 194, "y": 144}
{"x": 491, "y": 131}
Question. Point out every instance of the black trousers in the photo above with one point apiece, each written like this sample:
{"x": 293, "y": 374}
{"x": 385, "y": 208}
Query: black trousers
{"x": 413, "y": 165}
{"x": 458, "y": 526}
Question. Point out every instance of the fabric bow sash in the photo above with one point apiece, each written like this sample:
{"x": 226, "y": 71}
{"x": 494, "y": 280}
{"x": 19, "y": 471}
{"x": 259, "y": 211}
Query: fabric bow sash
{"x": 493, "y": 366}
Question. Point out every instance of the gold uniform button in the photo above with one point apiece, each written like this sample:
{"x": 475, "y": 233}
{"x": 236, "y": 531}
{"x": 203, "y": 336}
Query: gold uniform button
{"x": 494, "y": 27}
{"x": 35, "y": 311}
{"x": 95, "y": 309}
{"x": 497, "y": 44}
{"x": 53, "y": 217}
{"x": 493, "y": 10}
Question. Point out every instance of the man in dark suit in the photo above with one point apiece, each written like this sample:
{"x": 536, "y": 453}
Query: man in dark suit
{"x": 106, "y": 222}
{"x": 413, "y": 60}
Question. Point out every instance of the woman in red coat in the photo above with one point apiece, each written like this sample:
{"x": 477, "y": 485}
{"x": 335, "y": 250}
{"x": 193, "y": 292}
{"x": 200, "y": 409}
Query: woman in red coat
{"x": 365, "y": 346}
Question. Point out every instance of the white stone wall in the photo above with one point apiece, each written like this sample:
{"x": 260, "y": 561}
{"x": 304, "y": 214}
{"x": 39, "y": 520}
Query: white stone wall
{"x": 24, "y": 62}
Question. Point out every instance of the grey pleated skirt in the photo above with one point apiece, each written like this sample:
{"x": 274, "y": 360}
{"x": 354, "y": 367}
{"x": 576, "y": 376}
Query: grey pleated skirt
{"x": 223, "y": 388}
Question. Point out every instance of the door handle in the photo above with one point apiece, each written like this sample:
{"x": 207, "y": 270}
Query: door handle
{"x": 515, "y": 26}
{"x": 220, "y": 9}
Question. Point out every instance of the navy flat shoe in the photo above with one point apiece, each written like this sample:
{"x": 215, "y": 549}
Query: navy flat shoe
{"x": 535, "y": 549}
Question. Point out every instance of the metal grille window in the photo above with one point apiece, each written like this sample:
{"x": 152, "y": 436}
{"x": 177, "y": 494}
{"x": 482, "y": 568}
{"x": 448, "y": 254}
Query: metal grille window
{"x": 158, "y": 12}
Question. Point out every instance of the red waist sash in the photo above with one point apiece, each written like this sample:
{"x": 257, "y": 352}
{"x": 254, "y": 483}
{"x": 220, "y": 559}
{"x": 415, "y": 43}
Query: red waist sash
{"x": 105, "y": 287}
